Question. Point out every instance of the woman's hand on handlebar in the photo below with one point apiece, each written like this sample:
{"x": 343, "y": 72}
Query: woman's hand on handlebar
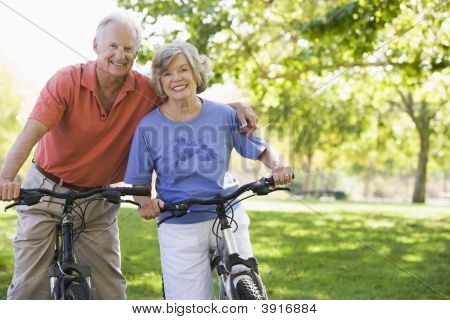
{"x": 282, "y": 174}
{"x": 151, "y": 208}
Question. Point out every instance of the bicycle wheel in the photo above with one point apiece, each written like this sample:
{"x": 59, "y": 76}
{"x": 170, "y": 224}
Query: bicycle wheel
{"x": 248, "y": 290}
{"x": 77, "y": 291}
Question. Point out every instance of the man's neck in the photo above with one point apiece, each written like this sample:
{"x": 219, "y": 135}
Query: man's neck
{"x": 107, "y": 83}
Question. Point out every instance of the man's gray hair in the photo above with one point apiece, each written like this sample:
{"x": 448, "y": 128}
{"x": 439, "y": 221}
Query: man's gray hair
{"x": 119, "y": 17}
{"x": 164, "y": 55}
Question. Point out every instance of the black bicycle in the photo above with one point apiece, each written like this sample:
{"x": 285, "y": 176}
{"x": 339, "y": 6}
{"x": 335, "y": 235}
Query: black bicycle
{"x": 239, "y": 278}
{"x": 68, "y": 279}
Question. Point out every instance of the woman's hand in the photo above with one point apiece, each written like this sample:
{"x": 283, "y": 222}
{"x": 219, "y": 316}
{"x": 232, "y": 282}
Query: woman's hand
{"x": 151, "y": 208}
{"x": 247, "y": 117}
{"x": 282, "y": 174}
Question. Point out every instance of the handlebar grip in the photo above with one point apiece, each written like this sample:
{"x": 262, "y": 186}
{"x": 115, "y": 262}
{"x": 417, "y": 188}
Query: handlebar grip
{"x": 28, "y": 197}
{"x": 144, "y": 192}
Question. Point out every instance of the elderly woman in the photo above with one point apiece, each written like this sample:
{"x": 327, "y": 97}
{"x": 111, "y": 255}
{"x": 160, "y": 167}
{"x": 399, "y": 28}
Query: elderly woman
{"x": 187, "y": 141}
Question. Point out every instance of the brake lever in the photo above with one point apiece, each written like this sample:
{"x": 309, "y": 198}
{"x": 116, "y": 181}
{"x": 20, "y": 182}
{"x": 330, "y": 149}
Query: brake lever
{"x": 165, "y": 219}
{"x": 261, "y": 191}
{"x": 261, "y": 187}
{"x": 12, "y": 205}
{"x": 112, "y": 196}
{"x": 132, "y": 202}
{"x": 178, "y": 212}
{"x": 27, "y": 198}
{"x": 281, "y": 188}
{"x": 265, "y": 190}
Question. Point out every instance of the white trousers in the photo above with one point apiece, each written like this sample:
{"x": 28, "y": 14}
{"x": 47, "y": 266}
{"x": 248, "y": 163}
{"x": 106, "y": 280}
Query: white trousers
{"x": 186, "y": 250}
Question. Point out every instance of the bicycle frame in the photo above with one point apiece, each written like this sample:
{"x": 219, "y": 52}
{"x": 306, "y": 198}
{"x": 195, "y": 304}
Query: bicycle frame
{"x": 231, "y": 266}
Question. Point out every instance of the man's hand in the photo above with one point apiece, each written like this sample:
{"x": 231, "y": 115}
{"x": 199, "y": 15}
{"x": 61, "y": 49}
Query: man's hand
{"x": 21, "y": 149}
{"x": 9, "y": 190}
{"x": 247, "y": 117}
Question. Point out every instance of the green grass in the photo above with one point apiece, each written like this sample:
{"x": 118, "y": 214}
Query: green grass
{"x": 326, "y": 251}
{"x": 7, "y": 229}
{"x": 140, "y": 255}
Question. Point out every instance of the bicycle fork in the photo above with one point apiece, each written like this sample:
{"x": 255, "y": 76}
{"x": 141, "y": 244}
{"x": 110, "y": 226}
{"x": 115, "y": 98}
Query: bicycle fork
{"x": 65, "y": 266}
{"x": 233, "y": 269}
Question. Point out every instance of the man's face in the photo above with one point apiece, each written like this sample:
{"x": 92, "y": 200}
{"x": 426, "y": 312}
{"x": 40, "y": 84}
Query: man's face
{"x": 116, "y": 49}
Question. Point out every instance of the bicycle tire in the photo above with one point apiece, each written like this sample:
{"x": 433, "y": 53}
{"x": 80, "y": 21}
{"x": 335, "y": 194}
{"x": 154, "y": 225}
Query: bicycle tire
{"x": 77, "y": 291}
{"x": 248, "y": 290}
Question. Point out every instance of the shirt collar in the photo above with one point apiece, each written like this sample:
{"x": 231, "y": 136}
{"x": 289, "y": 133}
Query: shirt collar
{"x": 89, "y": 78}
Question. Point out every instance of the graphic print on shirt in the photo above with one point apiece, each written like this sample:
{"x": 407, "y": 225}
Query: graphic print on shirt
{"x": 185, "y": 149}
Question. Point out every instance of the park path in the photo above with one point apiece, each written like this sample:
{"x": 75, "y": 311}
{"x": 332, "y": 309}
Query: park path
{"x": 299, "y": 205}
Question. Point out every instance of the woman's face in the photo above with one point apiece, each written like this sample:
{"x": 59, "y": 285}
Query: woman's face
{"x": 178, "y": 80}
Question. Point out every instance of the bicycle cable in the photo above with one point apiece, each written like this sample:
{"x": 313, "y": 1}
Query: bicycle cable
{"x": 240, "y": 200}
{"x": 216, "y": 226}
{"x": 81, "y": 215}
{"x": 80, "y": 228}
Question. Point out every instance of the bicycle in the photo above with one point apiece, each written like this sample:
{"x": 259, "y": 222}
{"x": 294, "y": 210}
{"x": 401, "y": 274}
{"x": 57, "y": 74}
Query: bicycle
{"x": 239, "y": 278}
{"x": 68, "y": 279}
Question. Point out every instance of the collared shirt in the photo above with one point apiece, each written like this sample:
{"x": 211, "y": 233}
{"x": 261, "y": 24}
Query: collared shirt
{"x": 85, "y": 146}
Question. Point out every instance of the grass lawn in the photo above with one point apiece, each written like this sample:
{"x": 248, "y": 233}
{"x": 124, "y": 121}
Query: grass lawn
{"x": 318, "y": 251}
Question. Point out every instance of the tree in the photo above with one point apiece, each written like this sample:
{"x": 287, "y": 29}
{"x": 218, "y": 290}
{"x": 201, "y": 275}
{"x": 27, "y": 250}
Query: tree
{"x": 261, "y": 46}
{"x": 287, "y": 53}
{"x": 416, "y": 54}
{"x": 419, "y": 66}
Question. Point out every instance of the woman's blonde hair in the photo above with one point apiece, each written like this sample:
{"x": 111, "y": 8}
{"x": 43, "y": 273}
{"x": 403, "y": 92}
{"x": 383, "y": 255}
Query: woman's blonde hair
{"x": 164, "y": 55}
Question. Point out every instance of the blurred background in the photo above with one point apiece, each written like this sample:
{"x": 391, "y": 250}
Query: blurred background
{"x": 353, "y": 94}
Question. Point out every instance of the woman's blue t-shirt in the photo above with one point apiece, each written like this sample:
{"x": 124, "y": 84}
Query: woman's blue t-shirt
{"x": 191, "y": 159}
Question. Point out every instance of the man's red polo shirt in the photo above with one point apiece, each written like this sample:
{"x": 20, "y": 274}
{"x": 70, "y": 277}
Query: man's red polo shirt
{"x": 85, "y": 146}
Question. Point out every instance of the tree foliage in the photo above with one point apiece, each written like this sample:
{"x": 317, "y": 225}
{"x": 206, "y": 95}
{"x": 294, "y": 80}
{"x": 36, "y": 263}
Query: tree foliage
{"x": 334, "y": 74}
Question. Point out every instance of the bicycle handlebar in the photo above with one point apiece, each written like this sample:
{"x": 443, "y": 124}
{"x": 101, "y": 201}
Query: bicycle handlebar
{"x": 32, "y": 196}
{"x": 261, "y": 187}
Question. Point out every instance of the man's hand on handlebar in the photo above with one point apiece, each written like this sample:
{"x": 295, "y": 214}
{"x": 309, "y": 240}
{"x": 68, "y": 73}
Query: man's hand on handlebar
{"x": 9, "y": 190}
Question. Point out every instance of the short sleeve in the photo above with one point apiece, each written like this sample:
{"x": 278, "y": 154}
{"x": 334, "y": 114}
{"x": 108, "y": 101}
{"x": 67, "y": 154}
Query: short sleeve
{"x": 248, "y": 147}
{"x": 54, "y": 99}
{"x": 140, "y": 162}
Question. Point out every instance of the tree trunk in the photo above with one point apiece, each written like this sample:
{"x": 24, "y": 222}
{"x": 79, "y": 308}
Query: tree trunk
{"x": 307, "y": 179}
{"x": 446, "y": 176}
{"x": 368, "y": 177}
{"x": 421, "y": 172}
{"x": 421, "y": 114}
